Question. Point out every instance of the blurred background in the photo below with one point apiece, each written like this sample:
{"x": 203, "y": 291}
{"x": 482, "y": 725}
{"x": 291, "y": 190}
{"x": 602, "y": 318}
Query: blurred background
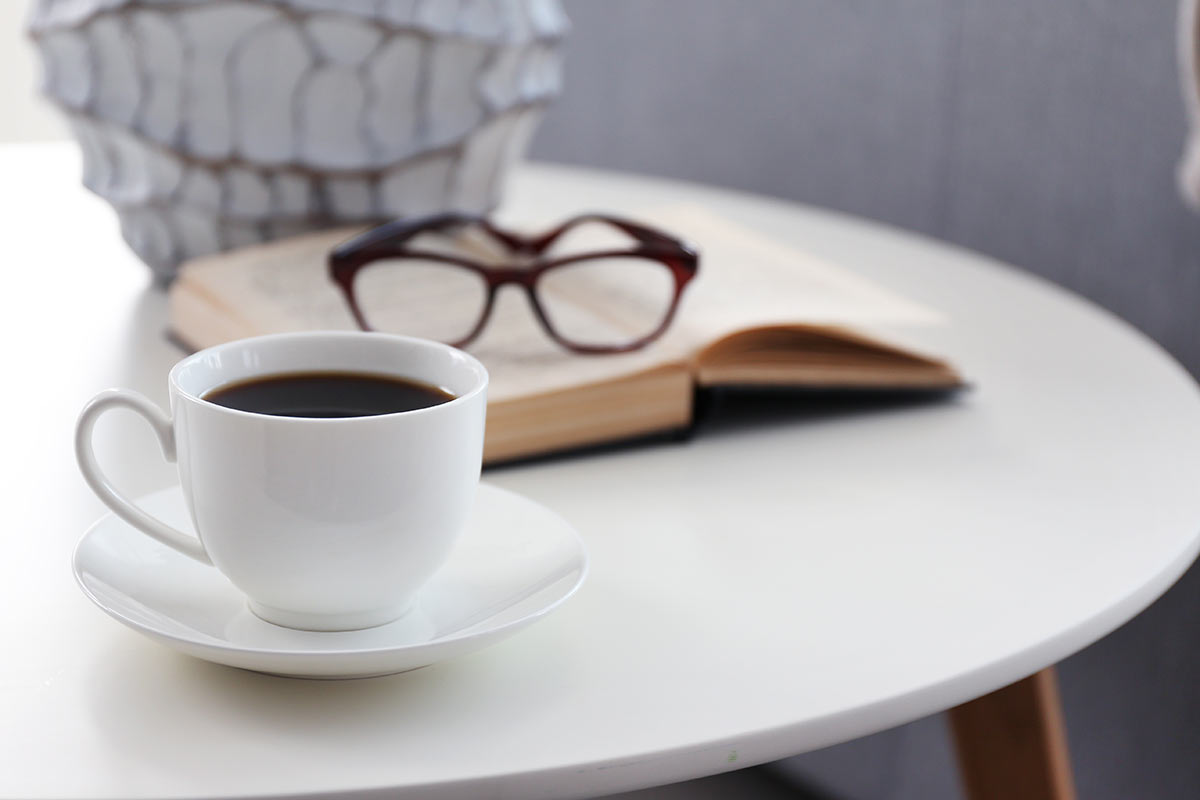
{"x": 1043, "y": 134}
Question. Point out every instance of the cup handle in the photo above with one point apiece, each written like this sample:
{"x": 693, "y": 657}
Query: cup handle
{"x": 99, "y": 483}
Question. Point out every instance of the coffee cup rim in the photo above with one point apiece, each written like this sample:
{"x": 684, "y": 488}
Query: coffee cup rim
{"x": 480, "y": 384}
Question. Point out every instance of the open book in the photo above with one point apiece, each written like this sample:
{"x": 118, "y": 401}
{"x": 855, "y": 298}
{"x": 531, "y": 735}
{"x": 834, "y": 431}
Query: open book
{"x": 759, "y": 313}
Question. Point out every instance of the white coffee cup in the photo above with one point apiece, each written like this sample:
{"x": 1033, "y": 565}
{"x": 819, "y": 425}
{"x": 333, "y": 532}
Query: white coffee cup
{"x": 324, "y": 524}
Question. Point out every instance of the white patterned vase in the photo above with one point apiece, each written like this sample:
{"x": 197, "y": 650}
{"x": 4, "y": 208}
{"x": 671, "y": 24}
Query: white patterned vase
{"x": 211, "y": 124}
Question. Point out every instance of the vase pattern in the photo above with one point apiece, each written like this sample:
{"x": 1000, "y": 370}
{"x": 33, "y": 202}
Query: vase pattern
{"x": 213, "y": 124}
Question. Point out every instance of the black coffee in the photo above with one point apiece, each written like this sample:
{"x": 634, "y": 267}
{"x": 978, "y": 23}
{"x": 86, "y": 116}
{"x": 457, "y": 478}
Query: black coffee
{"x": 327, "y": 394}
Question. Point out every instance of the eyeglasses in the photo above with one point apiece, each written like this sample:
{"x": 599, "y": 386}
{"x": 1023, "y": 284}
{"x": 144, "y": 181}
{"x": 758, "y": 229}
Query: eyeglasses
{"x": 609, "y": 298}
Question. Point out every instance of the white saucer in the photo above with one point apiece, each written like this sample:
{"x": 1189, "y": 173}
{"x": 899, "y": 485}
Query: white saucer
{"x": 515, "y": 562}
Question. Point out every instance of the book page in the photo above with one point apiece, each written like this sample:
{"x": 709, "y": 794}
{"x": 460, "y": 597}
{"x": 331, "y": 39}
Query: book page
{"x": 270, "y": 288}
{"x": 748, "y": 280}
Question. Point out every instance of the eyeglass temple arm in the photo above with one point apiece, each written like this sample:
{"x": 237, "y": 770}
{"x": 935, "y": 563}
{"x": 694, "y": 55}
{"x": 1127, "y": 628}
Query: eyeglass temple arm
{"x": 639, "y": 232}
{"x": 389, "y": 238}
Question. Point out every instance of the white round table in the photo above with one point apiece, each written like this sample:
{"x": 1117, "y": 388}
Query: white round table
{"x": 759, "y": 591}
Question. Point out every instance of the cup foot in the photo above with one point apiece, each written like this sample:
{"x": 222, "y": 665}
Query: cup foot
{"x": 306, "y": 621}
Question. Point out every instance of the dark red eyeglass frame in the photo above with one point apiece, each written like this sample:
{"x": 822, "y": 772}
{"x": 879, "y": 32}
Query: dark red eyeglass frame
{"x": 389, "y": 240}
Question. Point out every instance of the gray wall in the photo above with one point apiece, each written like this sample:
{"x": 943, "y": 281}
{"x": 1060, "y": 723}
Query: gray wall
{"x": 1044, "y": 134}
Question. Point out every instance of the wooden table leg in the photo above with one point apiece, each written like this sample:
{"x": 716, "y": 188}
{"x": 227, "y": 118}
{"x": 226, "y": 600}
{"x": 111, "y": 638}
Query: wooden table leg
{"x": 1012, "y": 743}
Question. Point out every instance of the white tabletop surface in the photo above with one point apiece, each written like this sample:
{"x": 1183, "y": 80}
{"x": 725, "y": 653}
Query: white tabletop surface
{"x": 762, "y": 590}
